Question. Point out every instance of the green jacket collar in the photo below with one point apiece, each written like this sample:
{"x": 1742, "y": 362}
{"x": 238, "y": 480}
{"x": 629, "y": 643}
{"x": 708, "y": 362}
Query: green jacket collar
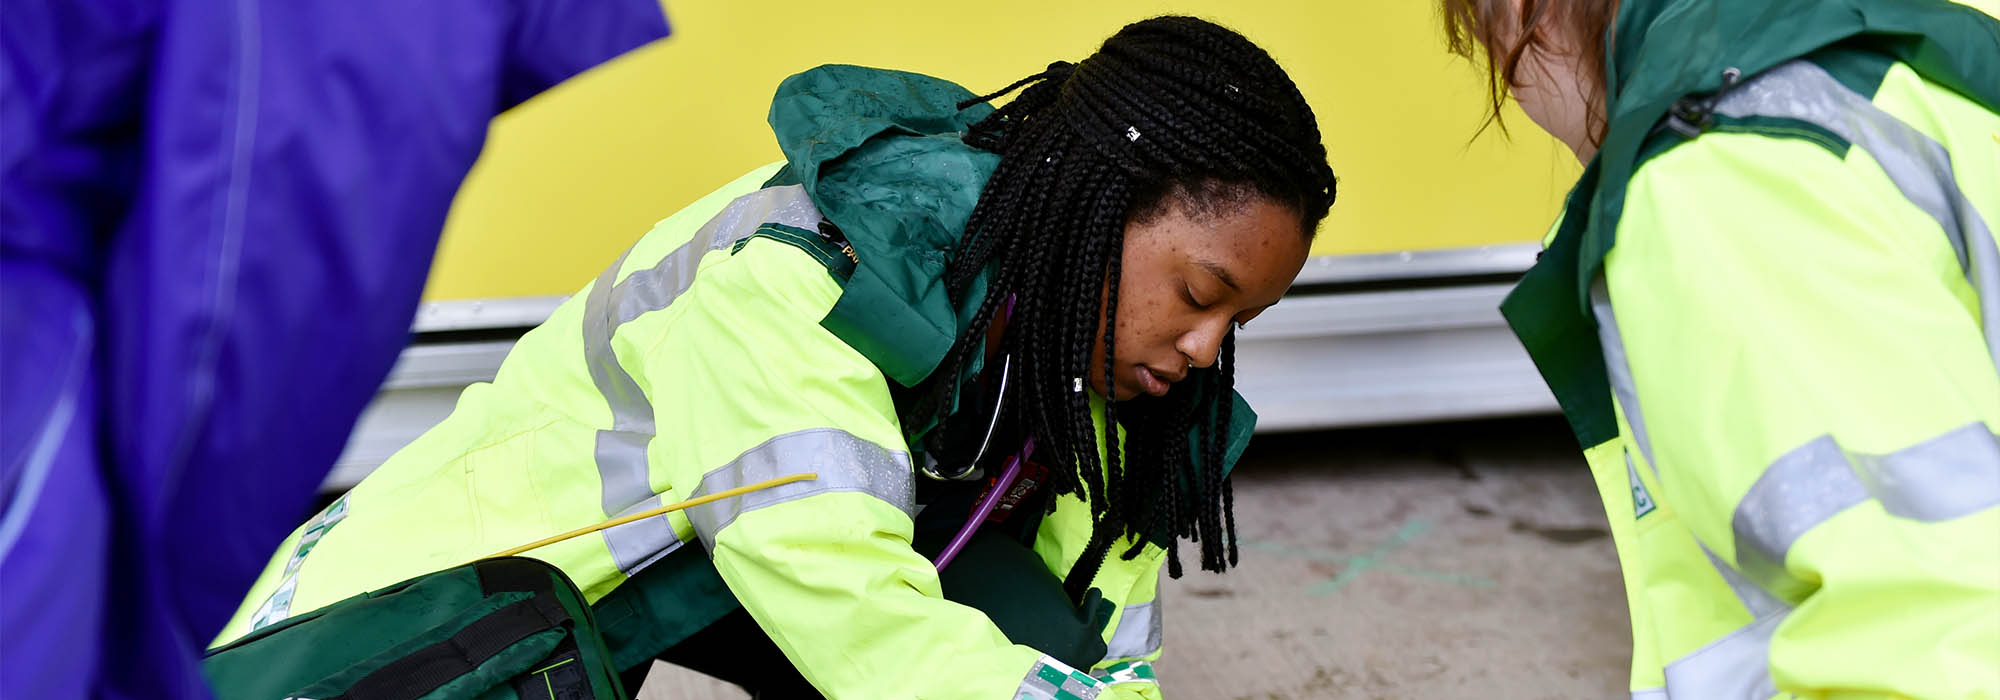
{"x": 879, "y": 152}
{"x": 1669, "y": 49}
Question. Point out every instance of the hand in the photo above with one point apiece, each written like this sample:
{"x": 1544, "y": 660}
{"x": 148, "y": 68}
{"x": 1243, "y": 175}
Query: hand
{"x": 1008, "y": 581}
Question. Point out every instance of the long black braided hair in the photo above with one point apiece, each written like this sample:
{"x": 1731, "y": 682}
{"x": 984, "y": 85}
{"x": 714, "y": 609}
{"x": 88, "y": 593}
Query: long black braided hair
{"x": 1169, "y": 111}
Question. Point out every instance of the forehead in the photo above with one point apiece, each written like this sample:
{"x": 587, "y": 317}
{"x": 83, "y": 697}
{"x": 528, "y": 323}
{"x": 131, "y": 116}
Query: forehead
{"x": 1255, "y": 240}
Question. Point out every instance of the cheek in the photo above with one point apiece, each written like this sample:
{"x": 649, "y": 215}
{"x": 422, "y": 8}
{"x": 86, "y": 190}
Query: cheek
{"x": 1145, "y": 319}
{"x": 1536, "y": 102}
{"x": 1550, "y": 95}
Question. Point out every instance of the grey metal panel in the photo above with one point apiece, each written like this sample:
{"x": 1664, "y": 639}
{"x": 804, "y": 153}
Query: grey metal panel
{"x": 447, "y": 365}
{"x": 522, "y": 312}
{"x": 391, "y": 421}
{"x": 1420, "y": 264}
{"x": 468, "y": 314}
{"x": 1320, "y": 361}
{"x": 1384, "y": 358}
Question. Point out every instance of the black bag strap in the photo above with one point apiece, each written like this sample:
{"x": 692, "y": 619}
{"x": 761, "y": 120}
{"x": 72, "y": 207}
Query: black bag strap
{"x": 510, "y": 574}
{"x": 431, "y": 667}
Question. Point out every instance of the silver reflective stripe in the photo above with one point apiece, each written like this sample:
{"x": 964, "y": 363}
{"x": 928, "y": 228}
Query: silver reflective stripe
{"x": 621, "y": 464}
{"x": 1754, "y": 598}
{"x": 1918, "y": 165}
{"x": 656, "y": 287}
{"x": 1735, "y": 667}
{"x": 620, "y": 452}
{"x": 844, "y": 463}
{"x": 1138, "y": 633}
{"x": 638, "y": 544}
{"x": 1797, "y": 492}
{"x": 1620, "y": 371}
{"x": 1650, "y": 694}
{"x": 1945, "y": 478}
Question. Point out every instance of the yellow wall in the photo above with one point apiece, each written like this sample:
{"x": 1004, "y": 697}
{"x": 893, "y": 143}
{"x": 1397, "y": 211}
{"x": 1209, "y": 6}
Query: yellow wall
{"x": 571, "y": 178}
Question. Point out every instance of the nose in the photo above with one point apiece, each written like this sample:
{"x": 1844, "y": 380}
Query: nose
{"x": 1200, "y": 345}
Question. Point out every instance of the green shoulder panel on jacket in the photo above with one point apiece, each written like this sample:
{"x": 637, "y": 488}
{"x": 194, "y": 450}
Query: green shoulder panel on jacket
{"x": 838, "y": 259}
{"x": 879, "y": 152}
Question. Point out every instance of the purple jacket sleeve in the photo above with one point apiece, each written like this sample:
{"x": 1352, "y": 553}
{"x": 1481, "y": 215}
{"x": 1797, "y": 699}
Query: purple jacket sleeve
{"x": 249, "y": 236}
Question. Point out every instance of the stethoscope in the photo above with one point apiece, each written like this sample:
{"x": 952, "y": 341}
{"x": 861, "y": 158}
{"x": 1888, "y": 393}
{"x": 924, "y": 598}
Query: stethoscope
{"x": 1008, "y": 473}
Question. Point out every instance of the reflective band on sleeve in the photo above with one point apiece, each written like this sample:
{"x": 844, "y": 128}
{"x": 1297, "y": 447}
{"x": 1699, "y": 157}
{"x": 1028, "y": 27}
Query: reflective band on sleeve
{"x": 1797, "y": 492}
{"x": 1753, "y": 597}
{"x": 1918, "y": 165}
{"x": 844, "y": 463}
{"x": 655, "y": 288}
{"x": 1053, "y": 680}
{"x": 1943, "y": 478}
{"x": 622, "y": 469}
{"x": 1138, "y": 632}
{"x": 1650, "y": 694}
{"x": 1735, "y": 666}
{"x": 1736, "y": 663}
{"x": 620, "y": 452}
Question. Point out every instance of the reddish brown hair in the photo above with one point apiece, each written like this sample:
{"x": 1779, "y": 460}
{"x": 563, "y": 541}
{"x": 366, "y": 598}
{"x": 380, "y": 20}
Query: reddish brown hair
{"x": 1473, "y": 29}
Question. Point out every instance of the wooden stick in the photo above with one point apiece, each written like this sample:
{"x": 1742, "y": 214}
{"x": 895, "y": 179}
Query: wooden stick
{"x": 642, "y": 515}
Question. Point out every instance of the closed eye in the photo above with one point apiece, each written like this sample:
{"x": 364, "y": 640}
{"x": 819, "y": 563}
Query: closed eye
{"x": 1188, "y": 295}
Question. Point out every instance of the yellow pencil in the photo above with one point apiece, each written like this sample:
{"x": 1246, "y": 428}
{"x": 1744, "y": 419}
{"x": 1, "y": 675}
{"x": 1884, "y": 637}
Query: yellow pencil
{"x": 644, "y": 514}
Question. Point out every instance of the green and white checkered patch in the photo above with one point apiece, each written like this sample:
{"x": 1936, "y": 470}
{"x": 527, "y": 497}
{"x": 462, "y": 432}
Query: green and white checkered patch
{"x": 1127, "y": 672}
{"x": 1053, "y": 680}
{"x": 279, "y": 605}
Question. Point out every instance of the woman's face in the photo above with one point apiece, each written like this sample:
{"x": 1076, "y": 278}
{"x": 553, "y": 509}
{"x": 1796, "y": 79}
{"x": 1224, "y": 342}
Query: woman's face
{"x": 1185, "y": 279}
{"x": 1549, "y": 85}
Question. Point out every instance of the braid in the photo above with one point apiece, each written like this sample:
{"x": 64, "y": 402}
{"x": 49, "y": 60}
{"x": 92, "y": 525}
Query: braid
{"x": 1169, "y": 111}
{"x": 1225, "y": 366}
{"x": 1112, "y": 437}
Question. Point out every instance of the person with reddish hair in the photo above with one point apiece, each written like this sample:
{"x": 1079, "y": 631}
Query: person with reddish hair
{"x": 1771, "y": 312}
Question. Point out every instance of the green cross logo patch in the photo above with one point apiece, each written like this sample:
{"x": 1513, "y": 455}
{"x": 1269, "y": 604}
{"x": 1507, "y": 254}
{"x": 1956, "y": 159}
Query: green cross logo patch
{"x": 1642, "y": 501}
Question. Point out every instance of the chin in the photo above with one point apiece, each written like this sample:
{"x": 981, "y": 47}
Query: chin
{"x": 1145, "y": 402}
{"x": 1149, "y": 410}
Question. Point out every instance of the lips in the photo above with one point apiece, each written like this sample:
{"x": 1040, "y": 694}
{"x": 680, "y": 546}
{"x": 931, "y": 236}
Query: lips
{"x": 1153, "y": 382}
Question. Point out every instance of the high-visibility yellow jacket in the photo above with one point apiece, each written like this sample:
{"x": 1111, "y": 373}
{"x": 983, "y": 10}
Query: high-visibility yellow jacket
{"x": 730, "y": 345}
{"x": 1772, "y": 316}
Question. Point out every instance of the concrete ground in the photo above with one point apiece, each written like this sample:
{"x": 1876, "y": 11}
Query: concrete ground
{"x": 1440, "y": 561}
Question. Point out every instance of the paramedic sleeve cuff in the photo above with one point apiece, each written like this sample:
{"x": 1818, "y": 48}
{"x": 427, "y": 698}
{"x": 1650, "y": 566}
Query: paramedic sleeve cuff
{"x": 1135, "y": 678}
{"x": 1053, "y": 680}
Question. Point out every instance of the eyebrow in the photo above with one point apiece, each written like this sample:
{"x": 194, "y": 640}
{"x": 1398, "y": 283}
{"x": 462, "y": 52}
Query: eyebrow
{"x": 1220, "y": 273}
